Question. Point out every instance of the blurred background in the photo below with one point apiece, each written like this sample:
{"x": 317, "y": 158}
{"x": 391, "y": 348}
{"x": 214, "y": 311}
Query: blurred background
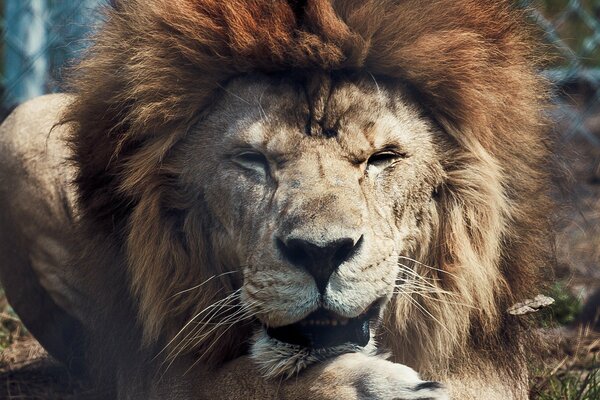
{"x": 40, "y": 38}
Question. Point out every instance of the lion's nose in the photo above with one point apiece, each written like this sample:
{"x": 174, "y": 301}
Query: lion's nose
{"x": 319, "y": 259}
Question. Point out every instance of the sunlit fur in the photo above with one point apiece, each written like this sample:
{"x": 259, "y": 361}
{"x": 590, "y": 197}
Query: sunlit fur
{"x": 159, "y": 66}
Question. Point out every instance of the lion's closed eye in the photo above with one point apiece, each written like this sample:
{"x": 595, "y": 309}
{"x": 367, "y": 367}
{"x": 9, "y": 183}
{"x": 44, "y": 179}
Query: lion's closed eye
{"x": 252, "y": 160}
{"x": 384, "y": 159}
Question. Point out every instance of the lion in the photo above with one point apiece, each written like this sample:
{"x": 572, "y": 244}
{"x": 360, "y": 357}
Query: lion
{"x": 318, "y": 199}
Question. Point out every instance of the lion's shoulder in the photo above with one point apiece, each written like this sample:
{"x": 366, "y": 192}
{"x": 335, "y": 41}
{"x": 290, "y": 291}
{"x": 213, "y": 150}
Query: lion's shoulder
{"x": 33, "y": 149}
{"x": 32, "y": 127}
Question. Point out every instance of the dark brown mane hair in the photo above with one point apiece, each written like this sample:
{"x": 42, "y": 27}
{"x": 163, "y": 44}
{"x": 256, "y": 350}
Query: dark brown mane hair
{"x": 157, "y": 64}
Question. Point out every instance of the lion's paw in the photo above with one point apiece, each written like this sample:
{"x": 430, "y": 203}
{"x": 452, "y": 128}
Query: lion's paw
{"x": 361, "y": 377}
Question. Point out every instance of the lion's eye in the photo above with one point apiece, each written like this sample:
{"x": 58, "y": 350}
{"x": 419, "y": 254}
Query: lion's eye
{"x": 383, "y": 159}
{"x": 252, "y": 160}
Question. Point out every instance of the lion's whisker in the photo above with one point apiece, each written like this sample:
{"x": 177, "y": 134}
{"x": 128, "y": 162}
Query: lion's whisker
{"x": 427, "y": 313}
{"x": 207, "y": 349}
{"x": 427, "y": 266}
{"x": 244, "y": 312}
{"x": 376, "y": 84}
{"x": 227, "y": 298}
{"x": 440, "y": 300}
{"x": 209, "y": 317}
{"x": 245, "y": 315}
{"x": 231, "y": 320}
{"x": 185, "y": 342}
{"x": 417, "y": 280}
{"x": 243, "y": 309}
{"x": 263, "y": 114}
{"x": 424, "y": 282}
{"x": 203, "y": 283}
{"x": 406, "y": 269}
{"x": 233, "y": 94}
{"x": 428, "y": 288}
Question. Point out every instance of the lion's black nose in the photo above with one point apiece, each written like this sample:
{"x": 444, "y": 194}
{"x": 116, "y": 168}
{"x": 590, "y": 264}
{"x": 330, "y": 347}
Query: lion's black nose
{"x": 319, "y": 259}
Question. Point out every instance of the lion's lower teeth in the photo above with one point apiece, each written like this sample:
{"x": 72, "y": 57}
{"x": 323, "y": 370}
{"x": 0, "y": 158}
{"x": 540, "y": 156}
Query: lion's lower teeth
{"x": 334, "y": 322}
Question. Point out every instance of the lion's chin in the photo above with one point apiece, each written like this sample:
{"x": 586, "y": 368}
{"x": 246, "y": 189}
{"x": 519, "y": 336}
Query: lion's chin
{"x": 280, "y": 359}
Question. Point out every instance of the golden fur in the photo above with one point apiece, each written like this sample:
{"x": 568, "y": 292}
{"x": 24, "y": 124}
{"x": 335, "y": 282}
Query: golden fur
{"x": 159, "y": 67}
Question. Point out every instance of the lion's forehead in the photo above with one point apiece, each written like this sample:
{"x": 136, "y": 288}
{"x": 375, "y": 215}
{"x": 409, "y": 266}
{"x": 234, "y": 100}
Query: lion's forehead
{"x": 273, "y": 116}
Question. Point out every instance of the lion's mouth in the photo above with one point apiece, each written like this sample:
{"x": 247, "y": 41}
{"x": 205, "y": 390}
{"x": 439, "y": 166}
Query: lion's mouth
{"x": 324, "y": 329}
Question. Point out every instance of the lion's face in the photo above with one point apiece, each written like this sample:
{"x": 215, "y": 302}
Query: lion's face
{"x": 316, "y": 196}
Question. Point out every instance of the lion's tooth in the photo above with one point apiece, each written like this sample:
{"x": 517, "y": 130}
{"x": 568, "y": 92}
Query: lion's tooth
{"x": 334, "y": 322}
{"x": 344, "y": 322}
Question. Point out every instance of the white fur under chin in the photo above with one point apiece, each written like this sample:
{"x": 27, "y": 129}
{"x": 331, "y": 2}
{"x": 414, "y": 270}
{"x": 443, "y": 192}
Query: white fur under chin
{"x": 278, "y": 359}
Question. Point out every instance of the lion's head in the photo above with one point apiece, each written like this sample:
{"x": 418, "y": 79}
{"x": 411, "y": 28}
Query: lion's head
{"x": 319, "y": 174}
{"x": 322, "y": 193}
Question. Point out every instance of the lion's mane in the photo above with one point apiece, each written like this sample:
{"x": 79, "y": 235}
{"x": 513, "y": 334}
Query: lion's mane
{"x": 158, "y": 64}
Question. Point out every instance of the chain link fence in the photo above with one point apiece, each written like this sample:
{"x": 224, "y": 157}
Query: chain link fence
{"x": 571, "y": 28}
{"x": 40, "y": 37}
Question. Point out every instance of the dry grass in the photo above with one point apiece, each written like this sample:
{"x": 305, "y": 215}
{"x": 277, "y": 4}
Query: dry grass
{"x": 572, "y": 372}
{"x": 11, "y": 328}
{"x": 26, "y": 370}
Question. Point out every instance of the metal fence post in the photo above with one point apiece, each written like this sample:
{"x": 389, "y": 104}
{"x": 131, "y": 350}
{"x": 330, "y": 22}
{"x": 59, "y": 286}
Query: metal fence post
{"x": 26, "y": 58}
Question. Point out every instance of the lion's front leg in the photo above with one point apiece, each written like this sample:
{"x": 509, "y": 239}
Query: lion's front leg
{"x": 351, "y": 376}
{"x": 358, "y": 376}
